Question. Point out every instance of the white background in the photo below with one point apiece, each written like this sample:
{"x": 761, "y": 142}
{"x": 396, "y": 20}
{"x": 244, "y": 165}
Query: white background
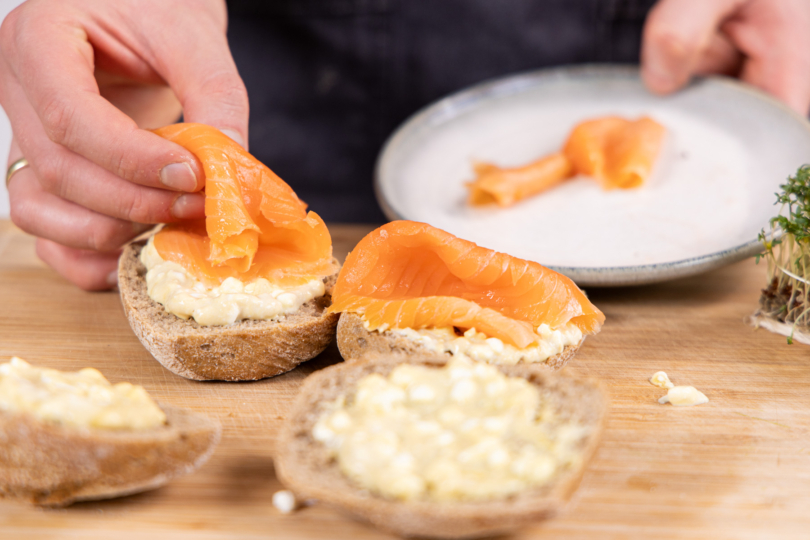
{"x": 5, "y": 129}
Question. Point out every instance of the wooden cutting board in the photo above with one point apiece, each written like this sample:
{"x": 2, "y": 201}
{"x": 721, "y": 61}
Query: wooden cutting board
{"x": 738, "y": 467}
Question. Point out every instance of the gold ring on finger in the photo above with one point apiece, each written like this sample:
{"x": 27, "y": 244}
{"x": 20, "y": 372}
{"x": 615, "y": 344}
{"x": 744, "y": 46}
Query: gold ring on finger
{"x": 14, "y": 167}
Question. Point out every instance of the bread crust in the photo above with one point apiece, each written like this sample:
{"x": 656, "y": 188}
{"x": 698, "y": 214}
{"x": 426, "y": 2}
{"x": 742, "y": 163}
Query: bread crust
{"x": 355, "y": 342}
{"x": 53, "y": 465}
{"x": 303, "y": 465}
{"x": 246, "y": 350}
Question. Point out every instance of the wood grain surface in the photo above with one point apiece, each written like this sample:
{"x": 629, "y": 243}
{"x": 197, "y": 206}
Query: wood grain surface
{"x": 738, "y": 467}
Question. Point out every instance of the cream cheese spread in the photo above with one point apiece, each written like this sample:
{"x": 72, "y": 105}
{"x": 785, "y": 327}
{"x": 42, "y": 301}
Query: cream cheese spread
{"x": 184, "y": 295}
{"x": 483, "y": 348}
{"x": 461, "y": 432}
{"x": 79, "y": 399}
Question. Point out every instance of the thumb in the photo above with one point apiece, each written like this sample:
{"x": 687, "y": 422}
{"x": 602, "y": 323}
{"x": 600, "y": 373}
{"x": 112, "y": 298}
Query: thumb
{"x": 777, "y": 50}
{"x": 203, "y": 75}
{"x": 676, "y": 35}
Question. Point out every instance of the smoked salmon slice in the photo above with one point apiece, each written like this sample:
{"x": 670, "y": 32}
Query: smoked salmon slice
{"x": 255, "y": 225}
{"x": 617, "y": 152}
{"x": 508, "y": 186}
{"x": 411, "y": 275}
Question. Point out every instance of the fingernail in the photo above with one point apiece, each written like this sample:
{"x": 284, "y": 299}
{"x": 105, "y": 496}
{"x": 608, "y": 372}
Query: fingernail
{"x": 657, "y": 78}
{"x": 659, "y": 81}
{"x": 659, "y": 73}
{"x": 178, "y": 176}
{"x": 189, "y": 206}
{"x": 235, "y": 136}
{"x": 112, "y": 278}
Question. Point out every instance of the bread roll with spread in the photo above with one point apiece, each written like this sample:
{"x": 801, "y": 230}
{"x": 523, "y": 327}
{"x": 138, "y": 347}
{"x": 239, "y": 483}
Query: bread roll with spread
{"x": 442, "y": 448}
{"x": 69, "y": 437}
{"x": 410, "y": 287}
{"x": 241, "y": 295}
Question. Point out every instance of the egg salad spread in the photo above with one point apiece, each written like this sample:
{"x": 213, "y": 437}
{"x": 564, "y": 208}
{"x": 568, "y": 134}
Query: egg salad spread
{"x": 84, "y": 398}
{"x": 462, "y": 432}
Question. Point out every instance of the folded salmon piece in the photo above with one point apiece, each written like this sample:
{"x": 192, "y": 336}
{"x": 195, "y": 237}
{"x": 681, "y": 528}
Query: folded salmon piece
{"x": 255, "y": 225}
{"x": 412, "y": 275}
{"x": 619, "y": 153}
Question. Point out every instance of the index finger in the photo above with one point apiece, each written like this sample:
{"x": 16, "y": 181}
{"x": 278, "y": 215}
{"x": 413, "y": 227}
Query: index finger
{"x": 54, "y": 64}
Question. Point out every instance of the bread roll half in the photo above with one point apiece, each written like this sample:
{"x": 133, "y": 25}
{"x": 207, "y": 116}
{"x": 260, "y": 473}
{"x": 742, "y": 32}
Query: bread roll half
{"x": 54, "y": 465}
{"x": 246, "y": 350}
{"x": 303, "y": 464}
{"x": 355, "y": 342}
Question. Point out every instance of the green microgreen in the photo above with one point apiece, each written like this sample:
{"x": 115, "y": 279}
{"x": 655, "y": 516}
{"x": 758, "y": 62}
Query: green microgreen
{"x": 787, "y": 251}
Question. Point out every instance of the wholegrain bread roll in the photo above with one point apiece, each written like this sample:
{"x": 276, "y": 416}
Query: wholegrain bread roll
{"x": 304, "y": 465}
{"x": 246, "y": 350}
{"x": 55, "y": 465}
{"x": 355, "y": 342}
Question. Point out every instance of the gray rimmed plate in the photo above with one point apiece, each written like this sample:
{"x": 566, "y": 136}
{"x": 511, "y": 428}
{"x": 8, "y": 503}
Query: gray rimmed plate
{"x": 728, "y": 148}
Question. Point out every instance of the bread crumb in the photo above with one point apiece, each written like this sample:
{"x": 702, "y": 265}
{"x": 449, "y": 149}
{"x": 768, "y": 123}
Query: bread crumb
{"x": 661, "y": 380}
{"x": 684, "y": 396}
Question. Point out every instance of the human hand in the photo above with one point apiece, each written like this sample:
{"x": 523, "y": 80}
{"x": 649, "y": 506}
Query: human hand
{"x": 764, "y": 42}
{"x": 80, "y": 81}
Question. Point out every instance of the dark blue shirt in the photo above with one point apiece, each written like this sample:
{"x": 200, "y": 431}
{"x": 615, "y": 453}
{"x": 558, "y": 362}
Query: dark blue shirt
{"x": 329, "y": 80}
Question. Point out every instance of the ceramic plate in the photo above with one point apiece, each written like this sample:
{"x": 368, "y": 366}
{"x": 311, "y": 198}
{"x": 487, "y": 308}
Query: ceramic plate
{"x": 728, "y": 148}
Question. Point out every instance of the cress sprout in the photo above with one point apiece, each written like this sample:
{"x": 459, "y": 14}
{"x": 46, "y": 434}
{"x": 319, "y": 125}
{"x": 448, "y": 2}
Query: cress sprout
{"x": 787, "y": 251}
